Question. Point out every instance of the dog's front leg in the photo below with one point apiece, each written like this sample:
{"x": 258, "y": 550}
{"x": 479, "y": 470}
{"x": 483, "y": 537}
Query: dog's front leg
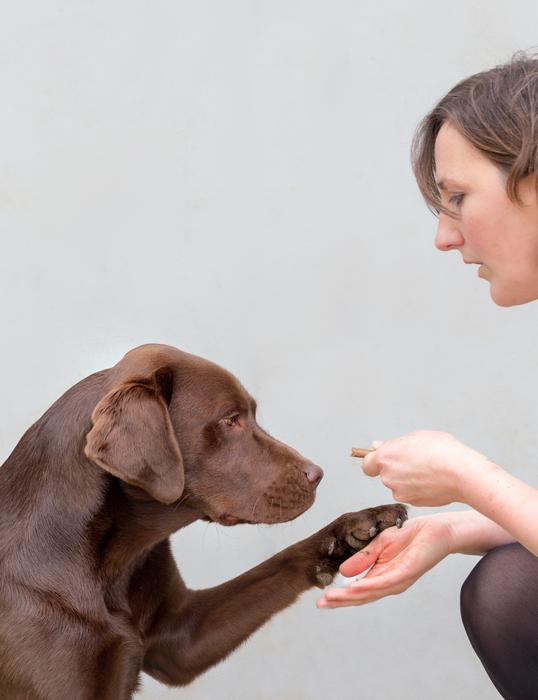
{"x": 196, "y": 630}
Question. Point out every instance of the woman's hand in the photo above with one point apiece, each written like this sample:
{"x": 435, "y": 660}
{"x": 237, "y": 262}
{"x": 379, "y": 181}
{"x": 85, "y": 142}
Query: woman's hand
{"x": 397, "y": 557}
{"x": 424, "y": 468}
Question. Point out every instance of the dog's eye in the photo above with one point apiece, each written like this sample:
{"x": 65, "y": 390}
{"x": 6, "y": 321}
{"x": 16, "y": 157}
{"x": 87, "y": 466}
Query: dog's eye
{"x": 231, "y": 421}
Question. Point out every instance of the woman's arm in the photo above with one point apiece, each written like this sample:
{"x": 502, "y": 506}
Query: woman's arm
{"x": 429, "y": 468}
{"x": 395, "y": 559}
{"x": 510, "y": 503}
{"x": 470, "y": 532}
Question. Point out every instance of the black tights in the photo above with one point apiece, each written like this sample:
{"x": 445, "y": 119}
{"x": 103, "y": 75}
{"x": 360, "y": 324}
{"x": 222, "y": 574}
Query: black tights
{"x": 499, "y": 608}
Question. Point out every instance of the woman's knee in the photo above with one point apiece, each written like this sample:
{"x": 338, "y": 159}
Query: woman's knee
{"x": 482, "y": 590}
{"x": 499, "y": 581}
{"x": 499, "y": 609}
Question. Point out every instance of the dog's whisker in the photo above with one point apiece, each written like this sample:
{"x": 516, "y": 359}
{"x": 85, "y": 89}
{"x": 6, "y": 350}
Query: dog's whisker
{"x": 181, "y": 501}
{"x": 254, "y": 506}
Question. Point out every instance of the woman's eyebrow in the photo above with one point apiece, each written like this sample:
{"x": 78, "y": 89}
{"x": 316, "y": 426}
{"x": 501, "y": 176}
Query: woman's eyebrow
{"x": 447, "y": 182}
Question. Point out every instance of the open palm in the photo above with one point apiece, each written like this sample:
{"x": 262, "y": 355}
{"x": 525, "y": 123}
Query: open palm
{"x": 396, "y": 559}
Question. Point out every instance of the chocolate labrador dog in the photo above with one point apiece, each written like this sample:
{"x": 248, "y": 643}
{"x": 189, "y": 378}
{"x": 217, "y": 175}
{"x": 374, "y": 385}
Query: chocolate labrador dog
{"x": 90, "y": 595}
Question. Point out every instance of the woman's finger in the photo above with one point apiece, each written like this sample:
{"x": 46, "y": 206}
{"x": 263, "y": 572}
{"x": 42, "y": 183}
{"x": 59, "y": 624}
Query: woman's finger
{"x": 340, "y": 597}
{"x": 367, "y": 586}
{"x": 353, "y": 600}
{"x": 377, "y": 582}
{"x": 369, "y": 464}
{"x": 374, "y": 581}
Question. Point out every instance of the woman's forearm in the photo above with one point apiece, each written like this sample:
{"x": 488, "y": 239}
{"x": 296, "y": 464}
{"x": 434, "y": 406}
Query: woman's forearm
{"x": 471, "y": 532}
{"x": 510, "y": 503}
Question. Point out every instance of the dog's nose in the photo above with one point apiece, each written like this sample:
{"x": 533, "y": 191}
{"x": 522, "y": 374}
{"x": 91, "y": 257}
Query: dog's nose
{"x": 313, "y": 473}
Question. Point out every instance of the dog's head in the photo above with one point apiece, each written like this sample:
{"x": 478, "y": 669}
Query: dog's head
{"x": 180, "y": 427}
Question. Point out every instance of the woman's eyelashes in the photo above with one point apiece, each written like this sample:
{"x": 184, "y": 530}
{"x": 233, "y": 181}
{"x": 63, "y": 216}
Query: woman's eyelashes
{"x": 456, "y": 199}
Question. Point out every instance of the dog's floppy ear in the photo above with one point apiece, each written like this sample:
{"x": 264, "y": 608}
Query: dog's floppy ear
{"x": 132, "y": 437}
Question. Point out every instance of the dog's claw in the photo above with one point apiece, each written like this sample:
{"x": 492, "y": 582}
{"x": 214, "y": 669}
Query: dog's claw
{"x": 399, "y": 523}
{"x": 372, "y": 531}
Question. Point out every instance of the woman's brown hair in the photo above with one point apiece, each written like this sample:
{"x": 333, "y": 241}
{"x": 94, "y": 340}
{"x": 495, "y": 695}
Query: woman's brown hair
{"x": 497, "y": 111}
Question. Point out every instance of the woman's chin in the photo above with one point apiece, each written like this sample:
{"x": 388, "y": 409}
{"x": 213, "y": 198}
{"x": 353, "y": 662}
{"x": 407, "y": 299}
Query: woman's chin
{"x": 510, "y": 297}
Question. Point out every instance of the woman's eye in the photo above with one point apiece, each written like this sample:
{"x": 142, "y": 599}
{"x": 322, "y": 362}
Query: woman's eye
{"x": 456, "y": 199}
{"x": 231, "y": 420}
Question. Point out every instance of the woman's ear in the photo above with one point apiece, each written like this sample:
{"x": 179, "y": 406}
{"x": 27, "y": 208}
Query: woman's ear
{"x": 133, "y": 439}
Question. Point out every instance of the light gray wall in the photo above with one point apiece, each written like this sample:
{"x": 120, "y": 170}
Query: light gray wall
{"x": 233, "y": 178}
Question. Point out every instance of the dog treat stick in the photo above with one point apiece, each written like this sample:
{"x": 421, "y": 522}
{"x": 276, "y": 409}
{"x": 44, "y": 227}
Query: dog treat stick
{"x": 360, "y": 451}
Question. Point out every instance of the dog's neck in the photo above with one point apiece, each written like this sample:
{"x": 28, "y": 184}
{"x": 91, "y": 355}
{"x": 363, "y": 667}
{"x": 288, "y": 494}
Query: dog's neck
{"x": 69, "y": 502}
{"x": 130, "y": 523}
{"x": 89, "y": 513}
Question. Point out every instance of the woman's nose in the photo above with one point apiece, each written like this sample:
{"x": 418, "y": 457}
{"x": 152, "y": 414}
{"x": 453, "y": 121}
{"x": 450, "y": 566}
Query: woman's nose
{"x": 448, "y": 234}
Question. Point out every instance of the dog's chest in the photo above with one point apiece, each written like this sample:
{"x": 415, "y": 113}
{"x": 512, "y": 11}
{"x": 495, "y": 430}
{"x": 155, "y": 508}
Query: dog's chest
{"x": 121, "y": 660}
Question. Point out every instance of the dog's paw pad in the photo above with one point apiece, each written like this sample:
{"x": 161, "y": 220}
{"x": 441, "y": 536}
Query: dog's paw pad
{"x": 323, "y": 577}
{"x": 353, "y": 542}
{"x": 327, "y": 546}
{"x": 363, "y": 526}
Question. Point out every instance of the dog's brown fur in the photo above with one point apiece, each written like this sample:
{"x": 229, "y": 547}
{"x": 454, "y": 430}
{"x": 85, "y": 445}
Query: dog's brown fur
{"x": 90, "y": 595}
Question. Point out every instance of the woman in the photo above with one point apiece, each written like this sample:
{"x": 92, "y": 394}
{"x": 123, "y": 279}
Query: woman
{"x": 475, "y": 158}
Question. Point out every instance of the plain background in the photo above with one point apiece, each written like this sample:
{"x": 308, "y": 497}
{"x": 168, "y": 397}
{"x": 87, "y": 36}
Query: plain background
{"x": 233, "y": 178}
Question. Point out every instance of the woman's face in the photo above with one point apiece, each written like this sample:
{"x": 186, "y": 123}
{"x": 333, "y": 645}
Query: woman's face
{"x": 490, "y": 230}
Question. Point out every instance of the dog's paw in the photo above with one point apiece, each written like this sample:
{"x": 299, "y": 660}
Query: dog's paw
{"x": 358, "y": 529}
{"x": 349, "y": 534}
